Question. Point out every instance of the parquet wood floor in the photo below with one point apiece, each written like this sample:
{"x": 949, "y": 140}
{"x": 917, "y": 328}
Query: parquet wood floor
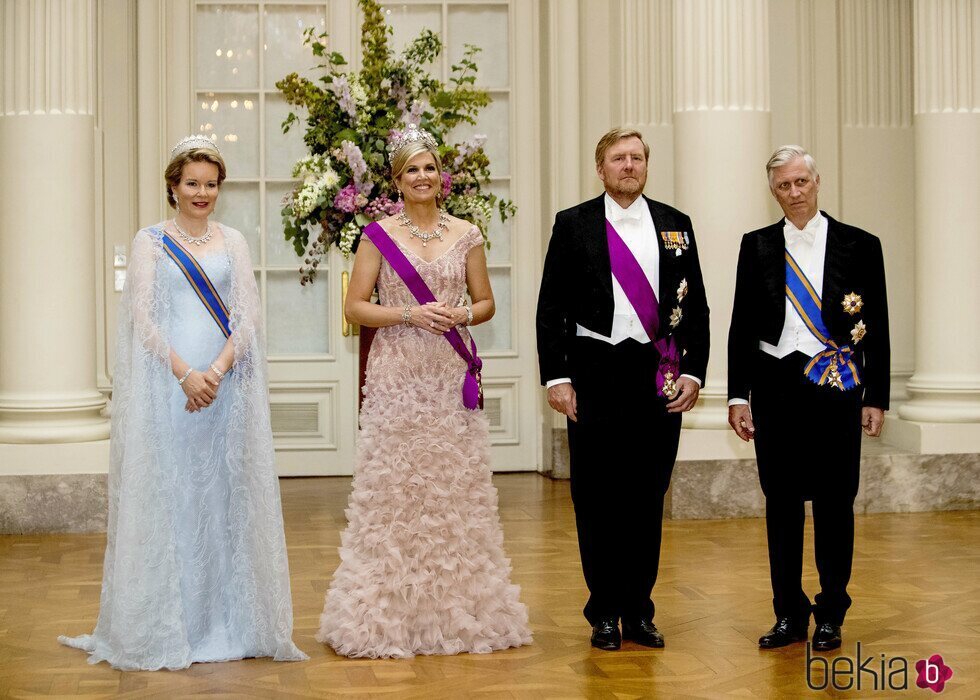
{"x": 916, "y": 588}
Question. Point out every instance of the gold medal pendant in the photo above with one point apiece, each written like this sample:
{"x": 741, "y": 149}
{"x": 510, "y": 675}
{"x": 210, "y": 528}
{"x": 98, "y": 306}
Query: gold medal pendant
{"x": 834, "y": 378}
{"x": 670, "y": 386}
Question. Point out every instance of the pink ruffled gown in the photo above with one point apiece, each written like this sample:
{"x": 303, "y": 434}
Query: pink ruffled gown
{"x": 422, "y": 569}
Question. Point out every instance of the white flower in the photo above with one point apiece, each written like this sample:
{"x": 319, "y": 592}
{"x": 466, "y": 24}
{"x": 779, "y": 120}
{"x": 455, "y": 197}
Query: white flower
{"x": 311, "y": 167}
{"x": 357, "y": 92}
{"x": 347, "y": 236}
{"x": 328, "y": 180}
{"x": 305, "y": 201}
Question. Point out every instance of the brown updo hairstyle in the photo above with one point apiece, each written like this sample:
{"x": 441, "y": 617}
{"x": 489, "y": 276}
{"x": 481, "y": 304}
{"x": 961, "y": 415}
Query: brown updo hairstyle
{"x": 400, "y": 158}
{"x": 195, "y": 155}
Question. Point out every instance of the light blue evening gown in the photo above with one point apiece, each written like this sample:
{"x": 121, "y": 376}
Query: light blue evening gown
{"x": 195, "y": 566}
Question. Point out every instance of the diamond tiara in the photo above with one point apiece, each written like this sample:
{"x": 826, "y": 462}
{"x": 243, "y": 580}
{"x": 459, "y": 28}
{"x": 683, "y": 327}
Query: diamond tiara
{"x": 411, "y": 134}
{"x": 192, "y": 142}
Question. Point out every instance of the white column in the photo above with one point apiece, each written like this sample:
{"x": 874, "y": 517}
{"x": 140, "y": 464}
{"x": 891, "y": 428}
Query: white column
{"x": 646, "y": 99}
{"x": 721, "y": 143}
{"x": 877, "y": 145}
{"x": 47, "y": 224}
{"x": 945, "y": 386}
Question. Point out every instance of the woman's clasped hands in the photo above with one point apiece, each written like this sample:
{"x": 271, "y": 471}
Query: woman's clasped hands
{"x": 437, "y": 317}
{"x": 201, "y": 388}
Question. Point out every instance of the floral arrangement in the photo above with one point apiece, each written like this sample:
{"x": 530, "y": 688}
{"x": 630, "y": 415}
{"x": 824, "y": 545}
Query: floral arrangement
{"x": 351, "y": 117}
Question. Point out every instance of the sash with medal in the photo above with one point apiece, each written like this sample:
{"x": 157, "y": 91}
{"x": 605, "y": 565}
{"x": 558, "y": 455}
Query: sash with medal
{"x": 833, "y": 366}
{"x": 638, "y": 290}
{"x": 199, "y": 282}
{"x": 472, "y": 380}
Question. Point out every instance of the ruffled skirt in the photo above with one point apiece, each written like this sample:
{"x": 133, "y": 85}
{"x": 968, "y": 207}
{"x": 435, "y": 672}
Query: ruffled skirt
{"x": 423, "y": 570}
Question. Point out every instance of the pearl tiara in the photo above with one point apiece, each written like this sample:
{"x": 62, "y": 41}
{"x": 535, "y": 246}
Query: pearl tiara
{"x": 192, "y": 142}
{"x": 411, "y": 134}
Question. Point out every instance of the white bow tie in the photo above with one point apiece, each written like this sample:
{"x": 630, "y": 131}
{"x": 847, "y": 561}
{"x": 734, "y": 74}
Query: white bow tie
{"x": 794, "y": 235}
{"x": 626, "y": 216}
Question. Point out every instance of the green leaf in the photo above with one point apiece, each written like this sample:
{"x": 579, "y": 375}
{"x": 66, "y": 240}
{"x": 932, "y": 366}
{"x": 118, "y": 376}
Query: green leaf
{"x": 345, "y": 135}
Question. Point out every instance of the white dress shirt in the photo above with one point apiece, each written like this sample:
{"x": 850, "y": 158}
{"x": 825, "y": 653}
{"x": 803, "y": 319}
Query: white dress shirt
{"x": 635, "y": 226}
{"x": 809, "y": 248}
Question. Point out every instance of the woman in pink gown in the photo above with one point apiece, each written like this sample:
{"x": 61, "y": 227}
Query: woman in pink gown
{"x": 423, "y": 570}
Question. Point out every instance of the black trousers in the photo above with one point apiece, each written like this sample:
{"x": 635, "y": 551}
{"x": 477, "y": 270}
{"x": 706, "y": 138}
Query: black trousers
{"x": 808, "y": 446}
{"x": 622, "y": 451}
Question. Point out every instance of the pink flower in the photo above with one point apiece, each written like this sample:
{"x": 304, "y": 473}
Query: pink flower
{"x": 447, "y": 183}
{"x": 346, "y": 199}
{"x": 933, "y": 673}
{"x": 382, "y": 206}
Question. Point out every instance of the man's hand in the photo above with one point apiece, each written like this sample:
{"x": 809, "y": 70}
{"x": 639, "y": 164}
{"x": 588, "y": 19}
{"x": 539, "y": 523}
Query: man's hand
{"x": 740, "y": 418}
{"x": 687, "y": 396}
{"x": 561, "y": 397}
{"x": 871, "y": 420}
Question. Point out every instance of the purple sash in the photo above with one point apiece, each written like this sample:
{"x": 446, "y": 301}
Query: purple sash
{"x": 472, "y": 381}
{"x": 638, "y": 290}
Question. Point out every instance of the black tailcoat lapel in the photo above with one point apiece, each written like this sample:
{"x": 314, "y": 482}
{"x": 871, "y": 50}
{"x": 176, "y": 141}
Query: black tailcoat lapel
{"x": 667, "y": 264}
{"x": 838, "y": 254}
{"x": 772, "y": 264}
{"x": 596, "y": 247}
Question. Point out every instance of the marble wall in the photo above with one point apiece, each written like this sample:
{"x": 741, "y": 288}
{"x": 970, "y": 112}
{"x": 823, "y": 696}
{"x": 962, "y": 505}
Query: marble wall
{"x": 53, "y": 503}
{"x": 892, "y": 481}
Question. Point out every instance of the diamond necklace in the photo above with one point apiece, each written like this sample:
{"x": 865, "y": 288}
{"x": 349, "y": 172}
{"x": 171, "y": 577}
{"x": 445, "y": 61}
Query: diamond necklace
{"x": 187, "y": 238}
{"x": 423, "y": 236}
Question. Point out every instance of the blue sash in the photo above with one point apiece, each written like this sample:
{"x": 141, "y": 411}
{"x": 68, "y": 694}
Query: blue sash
{"x": 834, "y": 365}
{"x": 199, "y": 282}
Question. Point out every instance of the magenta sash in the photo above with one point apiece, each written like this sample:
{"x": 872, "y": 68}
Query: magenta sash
{"x": 643, "y": 298}
{"x": 472, "y": 380}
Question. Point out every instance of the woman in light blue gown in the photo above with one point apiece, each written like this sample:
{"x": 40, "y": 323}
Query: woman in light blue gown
{"x": 195, "y": 565}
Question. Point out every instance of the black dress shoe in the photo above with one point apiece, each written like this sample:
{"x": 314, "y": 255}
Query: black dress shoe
{"x": 605, "y": 634}
{"x": 826, "y": 636}
{"x": 785, "y": 631}
{"x": 643, "y": 632}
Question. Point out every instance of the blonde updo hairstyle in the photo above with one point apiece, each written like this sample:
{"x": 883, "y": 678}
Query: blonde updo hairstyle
{"x": 195, "y": 155}
{"x": 400, "y": 158}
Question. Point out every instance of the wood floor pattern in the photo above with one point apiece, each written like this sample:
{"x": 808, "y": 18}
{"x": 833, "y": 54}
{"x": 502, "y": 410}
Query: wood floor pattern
{"x": 916, "y": 587}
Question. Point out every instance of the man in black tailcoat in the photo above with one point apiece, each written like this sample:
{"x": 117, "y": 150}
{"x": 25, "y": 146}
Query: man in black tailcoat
{"x": 808, "y": 368}
{"x": 622, "y": 366}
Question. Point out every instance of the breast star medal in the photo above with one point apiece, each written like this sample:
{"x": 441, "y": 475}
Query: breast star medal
{"x": 858, "y": 332}
{"x": 670, "y": 386}
{"x": 675, "y": 316}
{"x": 682, "y": 290}
{"x": 852, "y": 303}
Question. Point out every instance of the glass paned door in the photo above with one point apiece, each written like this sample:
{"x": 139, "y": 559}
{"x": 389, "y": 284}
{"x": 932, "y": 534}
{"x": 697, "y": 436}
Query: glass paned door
{"x": 241, "y": 50}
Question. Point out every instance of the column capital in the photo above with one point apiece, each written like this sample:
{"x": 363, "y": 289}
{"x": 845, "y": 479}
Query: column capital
{"x": 947, "y": 60}
{"x": 721, "y": 54}
{"x": 646, "y": 26}
{"x": 48, "y": 61}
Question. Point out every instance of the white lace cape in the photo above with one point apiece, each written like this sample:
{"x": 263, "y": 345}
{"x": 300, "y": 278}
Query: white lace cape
{"x": 140, "y": 625}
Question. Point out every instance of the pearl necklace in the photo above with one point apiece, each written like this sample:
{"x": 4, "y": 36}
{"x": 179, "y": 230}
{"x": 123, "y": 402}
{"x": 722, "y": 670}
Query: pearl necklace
{"x": 415, "y": 231}
{"x": 187, "y": 238}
